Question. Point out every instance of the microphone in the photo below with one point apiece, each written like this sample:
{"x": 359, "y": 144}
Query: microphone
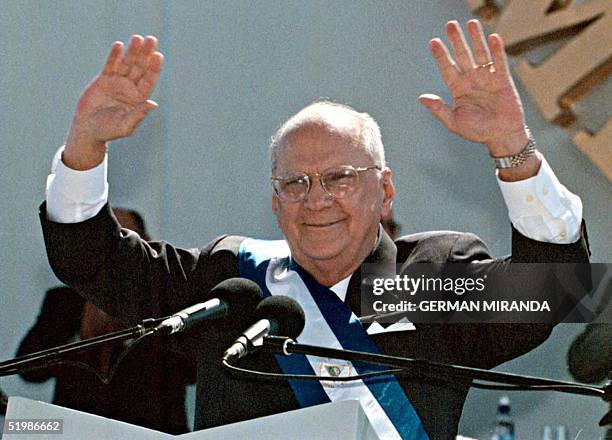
{"x": 275, "y": 315}
{"x": 237, "y": 295}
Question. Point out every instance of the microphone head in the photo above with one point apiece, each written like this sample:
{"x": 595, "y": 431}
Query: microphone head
{"x": 241, "y": 295}
{"x": 286, "y": 312}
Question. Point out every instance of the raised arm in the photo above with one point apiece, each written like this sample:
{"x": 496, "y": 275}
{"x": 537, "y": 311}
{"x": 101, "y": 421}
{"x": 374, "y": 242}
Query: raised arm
{"x": 115, "y": 269}
{"x": 487, "y": 109}
{"x": 114, "y": 103}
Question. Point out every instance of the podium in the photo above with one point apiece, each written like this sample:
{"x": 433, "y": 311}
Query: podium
{"x": 345, "y": 420}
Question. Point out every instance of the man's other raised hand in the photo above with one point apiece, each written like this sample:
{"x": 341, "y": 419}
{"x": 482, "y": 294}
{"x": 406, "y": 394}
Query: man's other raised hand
{"x": 115, "y": 102}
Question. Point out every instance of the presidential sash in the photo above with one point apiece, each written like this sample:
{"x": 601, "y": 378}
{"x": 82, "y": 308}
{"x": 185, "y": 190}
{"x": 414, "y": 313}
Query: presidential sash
{"x": 329, "y": 323}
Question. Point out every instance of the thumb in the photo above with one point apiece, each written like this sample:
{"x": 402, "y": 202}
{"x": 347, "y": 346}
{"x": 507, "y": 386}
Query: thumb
{"x": 438, "y": 108}
{"x": 135, "y": 116}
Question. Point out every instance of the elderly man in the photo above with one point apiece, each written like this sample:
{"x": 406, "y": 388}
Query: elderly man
{"x": 331, "y": 189}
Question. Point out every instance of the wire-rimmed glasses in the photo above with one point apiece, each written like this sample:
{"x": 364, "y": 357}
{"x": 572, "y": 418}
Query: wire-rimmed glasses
{"x": 338, "y": 182}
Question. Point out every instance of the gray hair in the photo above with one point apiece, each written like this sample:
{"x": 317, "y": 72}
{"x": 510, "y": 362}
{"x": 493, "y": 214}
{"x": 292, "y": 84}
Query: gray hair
{"x": 369, "y": 136}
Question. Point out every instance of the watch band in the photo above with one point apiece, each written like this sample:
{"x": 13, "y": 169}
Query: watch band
{"x": 519, "y": 158}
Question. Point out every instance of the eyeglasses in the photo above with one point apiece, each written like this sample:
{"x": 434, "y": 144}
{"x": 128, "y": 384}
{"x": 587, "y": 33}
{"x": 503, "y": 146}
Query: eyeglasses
{"x": 338, "y": 182}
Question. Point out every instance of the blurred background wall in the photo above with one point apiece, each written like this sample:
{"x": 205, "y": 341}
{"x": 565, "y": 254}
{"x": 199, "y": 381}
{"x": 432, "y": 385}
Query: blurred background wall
{"x": 198, "y": 166}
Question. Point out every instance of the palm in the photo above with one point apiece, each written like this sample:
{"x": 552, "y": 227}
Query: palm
{"x": 486, "y": 106}
{"x": 105, "y": 105}
{"x": 483, "y": 106}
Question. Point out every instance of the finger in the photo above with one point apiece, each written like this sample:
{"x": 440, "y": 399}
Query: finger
{"x": 149, "y": 46}
{"x": 131, "y": 56}
{"x": 498, "y": 55}
{"x": 446, "y": 65}
{"x": 479, "y": 44}
{"x": 135, "y": 116}
{"x": 142, "y": 60}
{"x": 112, "y": 61}
{"x": 147, "y": 82}
{"x": 463, "y": 54}
{"x": 438, "y": 108}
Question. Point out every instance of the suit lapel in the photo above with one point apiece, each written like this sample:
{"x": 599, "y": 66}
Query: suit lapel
{"x": 384, "y": 253}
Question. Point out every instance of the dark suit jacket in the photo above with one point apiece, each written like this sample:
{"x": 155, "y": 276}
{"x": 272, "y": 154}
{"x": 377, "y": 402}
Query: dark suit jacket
{"x": 118, "y": 271}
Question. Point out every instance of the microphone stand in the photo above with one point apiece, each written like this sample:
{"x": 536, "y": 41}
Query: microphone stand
{"x": 287, "y": 346}
{"x": 41, "y": 358}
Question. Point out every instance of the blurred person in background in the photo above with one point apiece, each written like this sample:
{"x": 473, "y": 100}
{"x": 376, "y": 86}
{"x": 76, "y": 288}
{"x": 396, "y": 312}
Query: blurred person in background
{"x": 148, "y": 387}
{"x": 590, "y": 358}
{"x": 3, "y": 402}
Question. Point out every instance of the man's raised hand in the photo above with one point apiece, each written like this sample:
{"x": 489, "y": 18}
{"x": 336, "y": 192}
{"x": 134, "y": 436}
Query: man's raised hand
{"x": 115, "y": 102}
{"x": 486, "y": 107}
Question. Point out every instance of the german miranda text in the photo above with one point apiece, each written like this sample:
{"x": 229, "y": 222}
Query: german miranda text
{"x": 487, "y": 292}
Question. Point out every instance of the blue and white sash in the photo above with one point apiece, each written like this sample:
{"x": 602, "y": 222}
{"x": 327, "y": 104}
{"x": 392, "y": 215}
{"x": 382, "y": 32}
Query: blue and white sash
{"x": 329, "y": 323}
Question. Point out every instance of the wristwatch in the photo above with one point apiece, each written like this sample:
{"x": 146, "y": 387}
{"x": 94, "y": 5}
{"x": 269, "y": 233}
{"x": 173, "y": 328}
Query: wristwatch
{"x": 519, "y": 158}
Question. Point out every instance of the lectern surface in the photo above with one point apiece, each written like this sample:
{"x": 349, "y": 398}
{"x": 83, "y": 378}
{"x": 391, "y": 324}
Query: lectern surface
{"x": 345, "y": 420}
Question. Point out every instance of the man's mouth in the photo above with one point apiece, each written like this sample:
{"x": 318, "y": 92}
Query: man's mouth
{"x": 322, "y": 224}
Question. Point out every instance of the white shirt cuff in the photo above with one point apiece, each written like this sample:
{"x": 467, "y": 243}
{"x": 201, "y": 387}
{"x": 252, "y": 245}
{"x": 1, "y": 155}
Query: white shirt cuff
{"x": 542, "y": 209}
{"x": 75, "y": 196}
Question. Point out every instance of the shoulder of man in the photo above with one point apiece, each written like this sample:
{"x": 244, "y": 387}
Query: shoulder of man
{"x": 216, "y": 261}
{"x": 440, "y": 246}
{"x": 224, "y": 243}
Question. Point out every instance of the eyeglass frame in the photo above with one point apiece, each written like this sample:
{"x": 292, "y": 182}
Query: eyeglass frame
{"x": 319, "y": 176}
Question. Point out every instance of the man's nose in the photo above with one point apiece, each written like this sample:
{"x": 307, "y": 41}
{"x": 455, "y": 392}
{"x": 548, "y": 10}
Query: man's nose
{"x": 317, "y": 197}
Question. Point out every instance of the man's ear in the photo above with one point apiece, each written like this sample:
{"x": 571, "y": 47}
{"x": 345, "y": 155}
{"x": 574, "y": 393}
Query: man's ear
{"x": 275, "y": 205}
{"x": 388, "y": 193}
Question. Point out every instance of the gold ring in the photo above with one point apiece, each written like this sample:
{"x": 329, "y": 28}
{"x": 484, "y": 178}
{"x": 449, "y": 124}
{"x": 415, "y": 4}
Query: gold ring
{"x": 484, "y": 66}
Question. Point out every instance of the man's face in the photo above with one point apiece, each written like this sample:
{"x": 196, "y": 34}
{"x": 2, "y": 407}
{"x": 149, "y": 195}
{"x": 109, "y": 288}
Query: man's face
{"x": 321, "y": 229}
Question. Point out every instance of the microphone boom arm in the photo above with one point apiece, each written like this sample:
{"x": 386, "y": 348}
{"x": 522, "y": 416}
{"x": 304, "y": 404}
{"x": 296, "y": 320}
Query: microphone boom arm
{"x": 287, "y": 346}
{"x": 14, "y": 366}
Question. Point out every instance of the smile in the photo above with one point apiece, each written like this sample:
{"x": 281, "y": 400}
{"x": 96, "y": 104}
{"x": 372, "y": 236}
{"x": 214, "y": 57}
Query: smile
{"x": 323, "y": 225}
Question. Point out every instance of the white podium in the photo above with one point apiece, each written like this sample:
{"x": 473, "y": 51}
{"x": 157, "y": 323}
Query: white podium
{"x": 345, "y": 420}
